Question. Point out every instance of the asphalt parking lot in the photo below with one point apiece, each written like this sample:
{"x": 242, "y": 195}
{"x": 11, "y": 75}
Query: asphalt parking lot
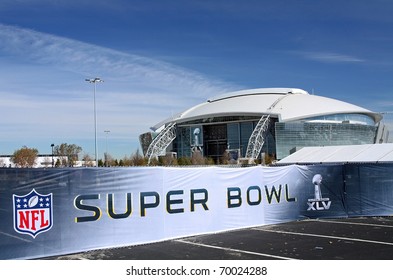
{"x": 364, "y": 238}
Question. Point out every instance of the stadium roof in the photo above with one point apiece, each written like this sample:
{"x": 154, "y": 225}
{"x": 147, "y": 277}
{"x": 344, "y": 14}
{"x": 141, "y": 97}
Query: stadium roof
{"x": 287, "y": 104}
{"x": 376, "y": 153}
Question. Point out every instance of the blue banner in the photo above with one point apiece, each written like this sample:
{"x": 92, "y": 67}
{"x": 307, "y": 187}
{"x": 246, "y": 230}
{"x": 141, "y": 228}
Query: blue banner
{"x": 46, "y": 212}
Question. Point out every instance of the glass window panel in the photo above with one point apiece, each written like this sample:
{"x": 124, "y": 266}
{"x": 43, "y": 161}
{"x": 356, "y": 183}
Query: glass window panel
{"x": 290, "y": 136}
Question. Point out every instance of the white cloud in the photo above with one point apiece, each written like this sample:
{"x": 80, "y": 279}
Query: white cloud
{"x": 85, "y": 58}
{"x": 329, "y": 57}
{"x": 44, "y": 94}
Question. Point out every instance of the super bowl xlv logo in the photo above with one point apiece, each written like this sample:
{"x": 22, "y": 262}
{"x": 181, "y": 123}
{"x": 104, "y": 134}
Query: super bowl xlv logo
{"x": 32, "y": 213}
{"x": 318, "y": 202}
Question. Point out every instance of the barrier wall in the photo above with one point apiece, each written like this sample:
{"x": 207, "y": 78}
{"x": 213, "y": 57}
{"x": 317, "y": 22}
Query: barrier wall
{"x": 46, "y": 212}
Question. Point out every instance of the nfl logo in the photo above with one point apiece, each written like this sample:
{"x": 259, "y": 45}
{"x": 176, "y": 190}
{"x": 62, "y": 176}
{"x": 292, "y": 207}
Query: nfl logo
{"x": 32, "y": 213}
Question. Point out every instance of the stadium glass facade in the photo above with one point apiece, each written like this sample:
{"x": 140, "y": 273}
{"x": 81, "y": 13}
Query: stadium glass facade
{"x": 214, "y": 136}
{"x": 325, "y": 130}
{"x": 292, "y": 136}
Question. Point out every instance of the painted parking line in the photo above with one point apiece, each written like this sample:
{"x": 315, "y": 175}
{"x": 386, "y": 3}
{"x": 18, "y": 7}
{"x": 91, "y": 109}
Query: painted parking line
{"x": 325, "y": 236}
{"x": 350, "y": 223}
{"x": 233, "y": 250}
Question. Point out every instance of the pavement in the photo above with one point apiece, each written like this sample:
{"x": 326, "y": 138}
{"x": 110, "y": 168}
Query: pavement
{"x": 363, "y": 238}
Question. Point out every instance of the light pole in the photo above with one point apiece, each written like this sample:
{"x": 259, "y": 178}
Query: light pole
{"x": 94, "y": 81}
{"x": 53, "y": 161}
{"x": 106, "y": 147}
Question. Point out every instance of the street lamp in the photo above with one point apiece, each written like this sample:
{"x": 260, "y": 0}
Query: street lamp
{"x": 94, "y": 81}
{"x": 106, "y": 144}
{"x": 53, "y": 162}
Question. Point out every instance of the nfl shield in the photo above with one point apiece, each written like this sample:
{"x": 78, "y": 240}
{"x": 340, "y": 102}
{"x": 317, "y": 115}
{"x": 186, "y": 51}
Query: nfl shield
{"x": 33, "y": 213}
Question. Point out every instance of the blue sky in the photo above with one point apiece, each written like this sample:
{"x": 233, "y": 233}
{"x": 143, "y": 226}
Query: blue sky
{"x": 158, "y": 58}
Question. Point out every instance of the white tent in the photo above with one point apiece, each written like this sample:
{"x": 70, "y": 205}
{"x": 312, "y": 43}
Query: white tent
{"x": 376, "y": 153}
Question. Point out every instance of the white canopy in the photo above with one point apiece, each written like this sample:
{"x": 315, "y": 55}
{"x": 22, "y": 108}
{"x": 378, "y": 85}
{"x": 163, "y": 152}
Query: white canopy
{"x": 341, "y": 154}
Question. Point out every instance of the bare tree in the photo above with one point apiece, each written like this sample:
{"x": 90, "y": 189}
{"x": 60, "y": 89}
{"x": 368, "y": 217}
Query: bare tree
{"x": 68, "y": 153}
{"x": 25, "y": 157}
{"x": 137, "y": 159}
{"x": 197, "y": 158}
{"x": 109, "y": 160}
{"x": 168, "y": 160}
{"x": 87, "y": 161}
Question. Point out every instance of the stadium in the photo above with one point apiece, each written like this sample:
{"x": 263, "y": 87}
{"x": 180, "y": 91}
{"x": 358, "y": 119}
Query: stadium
{"x": 145, "y": 206}
{"x": 274, "y": 121}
